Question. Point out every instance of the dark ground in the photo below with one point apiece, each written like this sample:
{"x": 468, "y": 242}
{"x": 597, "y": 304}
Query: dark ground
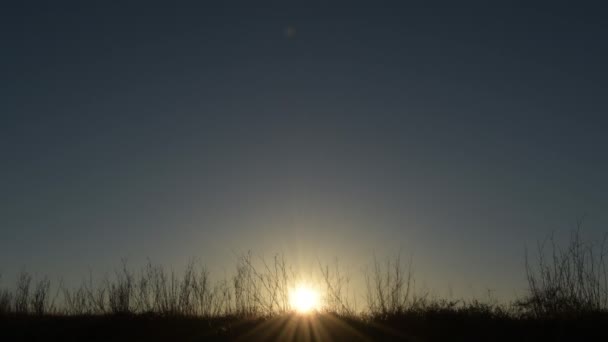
{"x": 324, "y": 327}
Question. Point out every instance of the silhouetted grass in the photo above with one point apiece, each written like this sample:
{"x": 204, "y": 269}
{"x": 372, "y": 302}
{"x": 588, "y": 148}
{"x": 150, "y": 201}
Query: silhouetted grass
{"x": 567, "y": 299}
{"x": 567, "y": 280}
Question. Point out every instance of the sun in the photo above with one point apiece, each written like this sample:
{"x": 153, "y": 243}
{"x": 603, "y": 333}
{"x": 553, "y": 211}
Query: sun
{"x": 304, "y": 299}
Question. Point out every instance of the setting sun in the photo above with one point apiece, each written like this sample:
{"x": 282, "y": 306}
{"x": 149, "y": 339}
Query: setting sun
{"x": 304, "y": 299}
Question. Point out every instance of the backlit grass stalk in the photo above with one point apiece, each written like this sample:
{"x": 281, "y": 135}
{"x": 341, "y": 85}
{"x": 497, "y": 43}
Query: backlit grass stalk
{"x": 567, "y": 280}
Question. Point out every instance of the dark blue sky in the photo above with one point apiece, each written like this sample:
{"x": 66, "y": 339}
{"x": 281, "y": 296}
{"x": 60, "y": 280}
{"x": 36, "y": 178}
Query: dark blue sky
{"x": 460, "y": 132}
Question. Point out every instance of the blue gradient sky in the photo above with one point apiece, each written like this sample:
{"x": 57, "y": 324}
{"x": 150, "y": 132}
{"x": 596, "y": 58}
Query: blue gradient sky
{"x": 458, "y": 132}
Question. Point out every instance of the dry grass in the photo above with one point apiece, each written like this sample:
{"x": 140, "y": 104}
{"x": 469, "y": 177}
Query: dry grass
{"x": 566, "y": 281}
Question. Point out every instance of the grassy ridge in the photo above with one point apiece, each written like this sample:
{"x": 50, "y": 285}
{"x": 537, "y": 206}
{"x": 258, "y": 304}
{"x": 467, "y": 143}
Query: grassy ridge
{"x": 567, "y": 299}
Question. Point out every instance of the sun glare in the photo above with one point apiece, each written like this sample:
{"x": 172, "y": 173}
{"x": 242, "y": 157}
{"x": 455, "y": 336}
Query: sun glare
{"x": 304, "y": 299}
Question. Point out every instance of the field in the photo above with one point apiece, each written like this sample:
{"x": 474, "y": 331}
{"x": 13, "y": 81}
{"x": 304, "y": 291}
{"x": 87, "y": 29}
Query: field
{"x": 436, "y": 326}
{"x": 567, "y": 300}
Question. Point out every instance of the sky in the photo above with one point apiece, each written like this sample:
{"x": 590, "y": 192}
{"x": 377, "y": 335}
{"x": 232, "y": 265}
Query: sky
{"x": 458, "y": 133}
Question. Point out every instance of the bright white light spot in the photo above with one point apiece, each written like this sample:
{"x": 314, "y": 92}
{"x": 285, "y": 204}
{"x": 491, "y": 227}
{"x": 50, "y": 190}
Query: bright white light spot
{"x": 304, "y": 299}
